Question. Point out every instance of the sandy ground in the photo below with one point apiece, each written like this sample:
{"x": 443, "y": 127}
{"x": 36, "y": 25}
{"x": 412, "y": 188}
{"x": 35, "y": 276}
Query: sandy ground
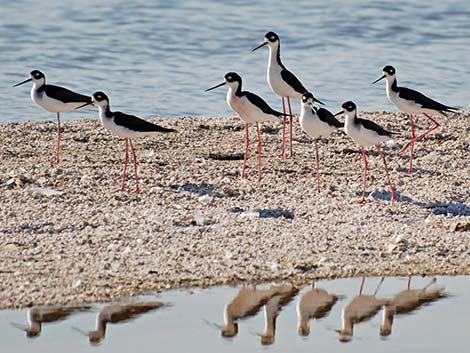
{"x": 67, "y": 235}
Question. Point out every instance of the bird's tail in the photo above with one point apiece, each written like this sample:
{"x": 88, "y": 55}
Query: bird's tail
{"x": 159, "y": 128}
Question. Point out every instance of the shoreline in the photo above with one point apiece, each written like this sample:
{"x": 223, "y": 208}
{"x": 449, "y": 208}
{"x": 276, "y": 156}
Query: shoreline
{"x": 66, "y": 235}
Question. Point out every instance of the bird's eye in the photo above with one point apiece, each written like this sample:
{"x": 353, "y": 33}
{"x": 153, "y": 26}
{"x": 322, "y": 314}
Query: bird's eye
{"x": 229, "y": 78}
{"x": 273, "y": 38}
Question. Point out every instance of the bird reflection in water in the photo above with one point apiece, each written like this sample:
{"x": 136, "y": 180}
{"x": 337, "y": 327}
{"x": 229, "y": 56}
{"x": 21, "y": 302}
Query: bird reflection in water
{"x": 285, "y": 293}
{"x": 316, "y": 303}
{"x": 118, "y": 313}
{"x": 359, "y": 309}
{"x": 39, "y": 315}
{"x": 407, "y": 301}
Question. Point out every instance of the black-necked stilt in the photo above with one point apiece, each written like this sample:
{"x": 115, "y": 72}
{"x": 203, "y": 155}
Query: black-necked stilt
{"x": 127, "y": 126}
{"x": 54, "y": 99}
{"x": 283, "y": 82}
{"x": 317, "y": 123}
{"x": 412, "y": 102}
{"x": 250, "y": 108}
{"x": 366, "y": 133}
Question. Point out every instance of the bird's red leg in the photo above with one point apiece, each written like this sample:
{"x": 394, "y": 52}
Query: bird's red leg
{"x": 436, "y": 125}
{"x": 362, "y": 285}
{"x": 57, "y": 158}
{"x": 363, "y": 199}
{"x": 378, "y": 286}
{"x": 291, "y": 118}
{"x": 125, "y": 167}
{"x": 283, "y": 145}
{"x": 246, "y": 149}
{"x": 318, "y": 165}
{"x": 392, "y": 189}
{"x": 135, "y": 168}
{"x": 412, "y": 143}
{"x": 259, "y": 153}
{"x": 409, "y": 283}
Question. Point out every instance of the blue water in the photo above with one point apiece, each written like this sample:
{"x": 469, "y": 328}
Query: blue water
{"x": 155, "y": 58}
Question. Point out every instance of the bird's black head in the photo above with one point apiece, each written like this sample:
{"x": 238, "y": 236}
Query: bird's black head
{"x": 349, "y": 106}
{"x": 271, "y": 37}
{"x": 307, "y": 97}
{"x": 36, "y": 75}
{"x": 389, "y": 70}
{"x": 100, "y": 97}
{"x": 232, "y": 77}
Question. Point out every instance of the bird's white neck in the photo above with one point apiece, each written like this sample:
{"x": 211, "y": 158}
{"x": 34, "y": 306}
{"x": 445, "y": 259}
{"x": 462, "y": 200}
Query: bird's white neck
{"x": 274, "y": 58}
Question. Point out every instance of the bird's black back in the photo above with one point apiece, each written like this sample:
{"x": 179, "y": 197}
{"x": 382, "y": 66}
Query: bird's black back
{"x": 425, "y": 102}
{"x": 64, "y": 95}
{"x": 137, "y": 124}
{"x": 370, "y": 125}
{"x": 328, "y": 117}
{"x": 260, "y": 103}
{"x": 293, "y": 81}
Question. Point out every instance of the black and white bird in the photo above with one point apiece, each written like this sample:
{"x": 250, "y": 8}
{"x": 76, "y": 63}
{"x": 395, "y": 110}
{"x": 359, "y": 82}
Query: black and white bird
{"x": 317, "y": 123}
{"x": 127, "y": 126}
{"x": 252, "y": 109}
{"x": 54, "y": 99}
{"x": 412, "y": 102}
{"x": 283, "y": 82}
{"x": 366, "y": 133}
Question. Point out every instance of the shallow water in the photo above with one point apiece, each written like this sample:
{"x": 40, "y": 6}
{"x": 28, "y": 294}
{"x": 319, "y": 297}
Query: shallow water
{"x": 187, "y": 324}
{"x": 156, "y": 58}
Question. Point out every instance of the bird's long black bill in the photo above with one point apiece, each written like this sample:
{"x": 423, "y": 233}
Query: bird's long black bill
{"x": 380, "y": 78}
{"x": 23, "y": 82}
{"x": 83, "y": 105}
{"x": 216, "y": 86}
{"x": 339, "y": 113}
{"x": 259, "y": 46}
{"x": 318, "y": 101}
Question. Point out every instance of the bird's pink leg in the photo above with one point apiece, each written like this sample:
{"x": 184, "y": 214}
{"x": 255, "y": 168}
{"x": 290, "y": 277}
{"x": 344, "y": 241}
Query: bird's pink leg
{"x": 378, "y": 286}
{"x": 135, "y": 168}
{"x": 392, "y": 189}
{"x": 363, "y": 199}
{"x": 409, "y": 283}
{"x": 291, "y": 118}
{"x": 412, "y": 143}
{"x": 436, "y": 125}
{"x": 362, "y": 285}
{"x": 246, "y": 149}
{"x": 259, "y": 153}
{"x": 125, "y": 167}
{"x": 283, "y": 145}
{"x": 57, "y": 158}
{"x": 318, "y": 165}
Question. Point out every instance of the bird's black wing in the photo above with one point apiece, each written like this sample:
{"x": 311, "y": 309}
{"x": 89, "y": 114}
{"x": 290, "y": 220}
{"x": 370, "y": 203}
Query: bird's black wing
{"x": 425, "y": 102}
{"x": 137, "y": 124}
{"x": 370, "y": 125}
{"x": 65, "y": 95}
{"x": 261, "y": 104}
{"x": 326, "y": 116}
{"x": 293, "y": 81}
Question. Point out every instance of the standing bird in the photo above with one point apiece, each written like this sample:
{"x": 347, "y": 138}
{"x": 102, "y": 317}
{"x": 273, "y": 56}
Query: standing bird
{"x": 317, "y": 123}
{"x": 366, "y": 133}
{"x": 412, "y": 102}
{"x": 54, "y": 99}
{"x": 282, "y": 82}
{"x": 250, "y": 108}
{"x": 127, "y": 126}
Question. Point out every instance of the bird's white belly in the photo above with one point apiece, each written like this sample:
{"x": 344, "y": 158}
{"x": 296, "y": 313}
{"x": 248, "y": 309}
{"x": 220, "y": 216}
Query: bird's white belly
{"x": 364, "y": 137}
{"x": 403, "y": 104}
{"x": 314, "y": 127}
{"x": 279, "y": 86}
{"x": 53, "y": 105}
{"x": 121, "y": 131}
{"x": 247, "y": 111}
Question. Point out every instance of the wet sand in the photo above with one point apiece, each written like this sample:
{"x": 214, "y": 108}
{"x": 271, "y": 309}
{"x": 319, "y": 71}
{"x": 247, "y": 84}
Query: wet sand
{"x": 67, "y": 235}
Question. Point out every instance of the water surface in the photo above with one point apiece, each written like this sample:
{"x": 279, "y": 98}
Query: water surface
{"x": 156, "y": 58}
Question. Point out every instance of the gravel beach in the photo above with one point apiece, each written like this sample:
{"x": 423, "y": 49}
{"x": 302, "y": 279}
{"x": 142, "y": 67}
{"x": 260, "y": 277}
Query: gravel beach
{"x": 67, "y": 235}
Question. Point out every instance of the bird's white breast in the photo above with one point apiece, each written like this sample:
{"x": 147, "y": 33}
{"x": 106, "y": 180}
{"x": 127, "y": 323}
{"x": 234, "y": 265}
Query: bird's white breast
{"x": 362, "y": 136}
{"x": 246, "y": 110}
{"x": 51, "y": 104}
{"x": 312, "y": 125}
